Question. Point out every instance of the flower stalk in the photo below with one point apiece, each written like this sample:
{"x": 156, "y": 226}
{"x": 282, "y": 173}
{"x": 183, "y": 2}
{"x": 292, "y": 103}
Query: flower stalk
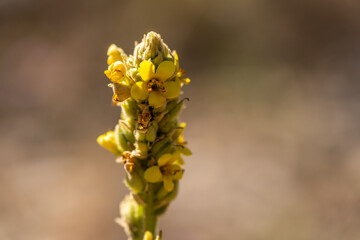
{"x": 148, "y": 139}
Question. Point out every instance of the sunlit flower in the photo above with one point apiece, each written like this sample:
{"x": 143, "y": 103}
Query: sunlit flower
{"x": 156, "y": 85}
{"x": 113, "y": 54}
{"x": 165, "y": 171}
{"x": 107, "y": 141}
{"x": 115, "y": 71}
{"x": 180, "y": 73}
{"x": 180, "y": 142}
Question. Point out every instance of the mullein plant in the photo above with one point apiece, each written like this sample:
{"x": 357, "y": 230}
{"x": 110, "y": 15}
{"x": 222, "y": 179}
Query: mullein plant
{"x": 148, "y": 139}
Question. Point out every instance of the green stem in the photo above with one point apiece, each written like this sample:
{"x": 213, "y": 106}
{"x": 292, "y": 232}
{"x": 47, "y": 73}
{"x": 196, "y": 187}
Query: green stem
{"x": 150, "y": 218}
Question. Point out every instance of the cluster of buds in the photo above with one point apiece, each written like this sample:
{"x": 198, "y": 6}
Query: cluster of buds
{"x": 148, "y": 139}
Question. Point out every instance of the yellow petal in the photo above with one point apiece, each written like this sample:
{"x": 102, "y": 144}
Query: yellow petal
{"x": 176, "y": 60}
{"x": 156, "y": 99}
{"x": 165, "y": 70}
{"x": 113, "y": 49}
{"x": 153, "y": 174}
{"x": 164, "y": 159}
{"x": 107, "y": 73}
{"x": 116, "y": 77}
{"x": 107, "y": 141}
{"x": 178, "y": 172}
{"x": 168, "y": 183}
{"x": 139, "y": 91}
{"x": 146, "y": 70}
{"x": 172, "y": 89}
{"x": 113, "y": 58}
{"x": 118, "y": 65}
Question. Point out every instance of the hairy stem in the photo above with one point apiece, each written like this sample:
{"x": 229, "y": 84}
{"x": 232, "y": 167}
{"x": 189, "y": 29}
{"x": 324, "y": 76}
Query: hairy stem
{"x": 150, "y": 218}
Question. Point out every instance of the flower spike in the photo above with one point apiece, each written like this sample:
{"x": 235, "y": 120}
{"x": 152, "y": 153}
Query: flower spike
{"x": 148, "y": 139}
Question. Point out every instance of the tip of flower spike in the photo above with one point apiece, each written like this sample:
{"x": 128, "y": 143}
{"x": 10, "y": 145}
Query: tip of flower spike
{"x": 152, "y": 47}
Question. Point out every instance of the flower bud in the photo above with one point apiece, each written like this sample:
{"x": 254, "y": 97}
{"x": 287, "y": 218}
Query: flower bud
{"x": 148, "y": 236}
{"x": 113, "y": 50}
{"x": 129, "y": 109}
{"x": 167, "y": 148}
{"x": 134, "y": 182}
{"x": 151, "y": 134}
{"x": 152, "y": 48}
{"x": 127, "y": 131}
{"x": 113, "y": 58}
{"x": 171, "y": 115}
{"x": 157, "y": 146}
{"x": 132, "y": 216}
{"x": 141, "y": 148}
{"x": 139, "y": 135}
{"x": 168, "y": 126}
{"x": 120, "y": 139}
{"x": 107, "y": 141}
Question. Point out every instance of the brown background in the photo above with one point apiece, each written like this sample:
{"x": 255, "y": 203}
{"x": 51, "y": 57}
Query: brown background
{"x": 273, "y": 119}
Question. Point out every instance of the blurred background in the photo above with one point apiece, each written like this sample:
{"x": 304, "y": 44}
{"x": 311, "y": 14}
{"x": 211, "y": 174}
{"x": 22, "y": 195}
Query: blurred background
{"x": 273, "y": 120}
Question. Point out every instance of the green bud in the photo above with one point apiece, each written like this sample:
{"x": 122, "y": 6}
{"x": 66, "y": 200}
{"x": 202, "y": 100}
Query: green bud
{"x": 171, "y": 104}
{"x": 155, "y": 125}
{"x": 159, "y": 110}
{"x": 141, "y": 148}
{"x": 134, "y": 182}
{"x": 171, "y": 115}
{"x": 168, "y": 126}
{"x": 139, "y": 136}
{"x": 131, "y": 217}
{"x": 174, "y": 192}
{"x": 151, "y": 134}
{"x": 186, "y": 151}
{"x": 161, "y": 194}
{"x": 161, "y": 210}
{"x": 131, "y": 122}
{"x": 127, "y": 131}
{"x": 157, "y": 146}
{"x": 129, "y": 109}
{"x": 120, "y": 139}
{"x": 167, "y": 148}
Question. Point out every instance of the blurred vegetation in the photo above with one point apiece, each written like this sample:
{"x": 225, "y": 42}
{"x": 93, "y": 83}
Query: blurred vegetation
{"x": 276, "y": 153}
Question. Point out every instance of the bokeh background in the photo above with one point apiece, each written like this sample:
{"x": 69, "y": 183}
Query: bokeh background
{"x": 273, "y": 119}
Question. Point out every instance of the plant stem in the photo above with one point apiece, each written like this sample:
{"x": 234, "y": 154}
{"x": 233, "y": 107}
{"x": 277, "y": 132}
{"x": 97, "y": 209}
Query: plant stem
{"x": 150, "y": 218}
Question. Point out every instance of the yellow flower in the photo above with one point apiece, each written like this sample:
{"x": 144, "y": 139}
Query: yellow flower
{"x": 156, "y": 85}
{"x": 180, "y": 142}
{"x": 180, "y": 73}
{"x": 113, "y": 54}
{"x": 165, "y": 171}
{"x": 107, "y": 141}
{"x": 116, "y": 71}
